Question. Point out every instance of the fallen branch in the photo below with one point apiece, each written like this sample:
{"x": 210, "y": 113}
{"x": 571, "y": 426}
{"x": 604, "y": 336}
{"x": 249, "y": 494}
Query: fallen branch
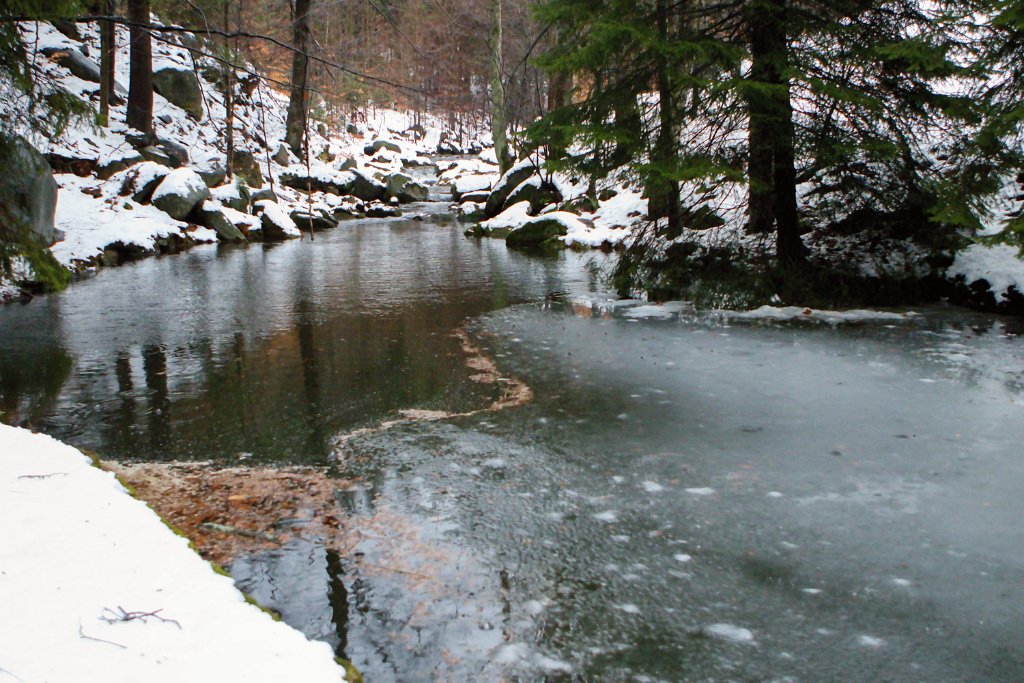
{"x": 82, "y": 634}
{"x": 43, "y": 476}
{"x": 123, "y": 615}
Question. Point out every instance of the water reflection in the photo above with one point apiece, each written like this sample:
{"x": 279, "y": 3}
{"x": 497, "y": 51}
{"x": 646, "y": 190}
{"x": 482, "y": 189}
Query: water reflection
{"x": 262, "y": 353}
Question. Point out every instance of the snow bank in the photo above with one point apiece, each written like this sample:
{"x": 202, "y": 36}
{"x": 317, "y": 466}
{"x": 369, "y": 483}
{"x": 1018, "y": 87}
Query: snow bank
{"x": 90, "y": 224}
{"x": 77, "y": 550}
{"x": 512, "y": 217}
{"x": 1000, "y": 266}
{"x": 831, "y": 317}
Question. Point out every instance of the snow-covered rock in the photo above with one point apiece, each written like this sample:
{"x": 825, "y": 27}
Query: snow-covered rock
{"x": 179, "y": 192}
{"x": 1000, "y": 266}
{"x": 275, "y": 223}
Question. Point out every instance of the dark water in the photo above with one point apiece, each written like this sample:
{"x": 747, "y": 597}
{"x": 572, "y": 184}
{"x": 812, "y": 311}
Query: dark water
{"x": 685, "y": 499}
{"x": 266, "y": 352}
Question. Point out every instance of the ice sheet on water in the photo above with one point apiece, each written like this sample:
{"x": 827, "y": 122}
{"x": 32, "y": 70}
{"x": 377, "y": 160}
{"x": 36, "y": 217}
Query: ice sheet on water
{"x": 730, "y": 632}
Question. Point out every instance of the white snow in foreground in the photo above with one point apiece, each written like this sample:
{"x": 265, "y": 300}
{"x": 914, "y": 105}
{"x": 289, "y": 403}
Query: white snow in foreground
{"x": 832, "y": 317}
{"x": 735, "y": 634}
{"x": 1000, "y": 266}
{"x": 75, "y": 545}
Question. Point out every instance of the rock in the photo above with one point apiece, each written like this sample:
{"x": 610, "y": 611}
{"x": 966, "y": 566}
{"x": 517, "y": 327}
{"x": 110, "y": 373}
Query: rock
{"x": 179, "y": 192}
{"x": 379, "y": 210}
{"x": 209, "y": 215}
{"x": 405, "y": 189}
{"x": 245, "y": 166}
{"x": 67, "y": 27}
{"x": 275, "y": 224}
{"x": 512, "y": 179}
{"x": 320, "y": 220}
{"x": 157, "y": 155}
{"x": 581, "y": 204}
{"x": 180, "y": 86}
{"x": 177, "y": 153}
{"x": 321, "y": 128}
{"x": 365, "y": 188}
{"x": 417, "y": 130}
{"x": 235, "y": 195}
{"x": 28, "y": 195}
{"x": 535, "y": 191}
{"x": 353, "y": 129}
{"x": 378, "y": 145}
{"x": 469, "y": 212}
{"x": 283, "y": 155}
{"x": 348, "y": 164}
{"x": 475, "y": 197}
{"x": 107, "y": 167}
{"x": 262, "y": 196}
{"x": 212, "y": 175}
{"x": 75, "y": 62}
{"x": 142, "y": 180}
{"x": 535, "y": 233}
{"x": 331, "y": 183}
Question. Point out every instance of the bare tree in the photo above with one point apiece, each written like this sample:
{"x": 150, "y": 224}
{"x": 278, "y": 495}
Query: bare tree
{"x": 498, "y": 105}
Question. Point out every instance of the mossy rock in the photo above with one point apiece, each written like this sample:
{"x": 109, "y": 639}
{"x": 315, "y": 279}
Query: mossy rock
{"x": 537, "y": 232}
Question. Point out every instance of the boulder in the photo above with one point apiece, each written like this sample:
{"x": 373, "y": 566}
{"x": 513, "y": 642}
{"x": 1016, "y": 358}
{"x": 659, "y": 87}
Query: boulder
{"x": 178, "y": 153}
{"x": 141, "y": 180}
{"x": 213, "y": 175}
{"x": 535, "y": 191}
{"x": 319, "y": 220}
{"x": 179, "y": 192}
{"x": 235, "y": 195}
{"x": 262, "y": 196}
{"x": 109, "y": 166}
{"x": 283, "y": 155}
{"x": 380, "y": 210}
{"x": 405, "y": 188}
{"x": 157, "y": 155}
{"x": 475, "y": 197}
{"x": 512, "y": 179}
{"x": 347, "y": 164}
{"x": 469, "y": 212}
{"x": 536, "y": 232}
{"x": 275, "y": 224}
{"x": 378, "y": 145}
{"x": 180, "y": 86}
{"x": 75, "y": 62}
{"x": 353, "y": 129}
{"x": 331, "y": 183}
{"x": 246, "y": 167}
{"x": 365, "y": 187}
{"x": 28, "y": 195}
{"x": 67, "y": 27}
{"x": 210, "y": 215}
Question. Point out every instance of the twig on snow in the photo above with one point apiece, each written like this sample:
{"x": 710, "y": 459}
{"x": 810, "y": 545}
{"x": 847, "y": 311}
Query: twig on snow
{"x": 43, "y": 476}
{"x": 123, "y": 615}
{"x": 82, "y": 634}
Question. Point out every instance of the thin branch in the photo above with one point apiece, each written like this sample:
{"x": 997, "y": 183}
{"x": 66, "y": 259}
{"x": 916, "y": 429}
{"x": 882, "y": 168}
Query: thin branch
{"x": 82, "y": 634}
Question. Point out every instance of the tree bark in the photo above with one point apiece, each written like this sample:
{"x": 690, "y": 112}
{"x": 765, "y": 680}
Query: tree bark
{"x": 229, "y": 99}
{"x": 108, "y": 54}
{"x": 772, "y": 158}
{"x": 498, "y": 105}
{"x": 663, "y": 193}
{"x": 140, "y": 88}
{"x": 298, "y": 102}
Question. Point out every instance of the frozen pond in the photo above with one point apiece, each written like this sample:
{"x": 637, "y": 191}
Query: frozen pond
{"x": 685, "y": 498}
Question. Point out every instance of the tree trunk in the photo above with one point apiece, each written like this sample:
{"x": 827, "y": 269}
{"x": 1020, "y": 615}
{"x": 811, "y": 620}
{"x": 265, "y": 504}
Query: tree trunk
{"x": 108, "y": 54}
{"x": 663, "y": 193}
{"x": 498, "y": 111}
{"x": 229, "y": 97}
{"x": 298, "y": 101}
{"x": 772, "y": 161}
{"x": 140, "y": 88}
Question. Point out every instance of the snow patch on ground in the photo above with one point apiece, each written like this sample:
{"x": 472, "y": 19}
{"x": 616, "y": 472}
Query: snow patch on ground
{"x": 831, "y": 317}
{"x": 730, "y": 632}
{"x": 1000, "y": 266}
{"x": 77, "y": 548}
